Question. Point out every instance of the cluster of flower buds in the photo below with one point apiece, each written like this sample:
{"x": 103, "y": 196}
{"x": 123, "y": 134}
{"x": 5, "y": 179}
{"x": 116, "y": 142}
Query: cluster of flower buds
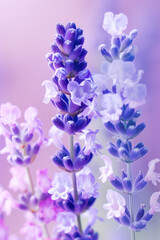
{"x": 71, "y": 88}
{"x": 72, "y": 92}
{"x": 20, "y": 146}
{"x": 119, "y": 99}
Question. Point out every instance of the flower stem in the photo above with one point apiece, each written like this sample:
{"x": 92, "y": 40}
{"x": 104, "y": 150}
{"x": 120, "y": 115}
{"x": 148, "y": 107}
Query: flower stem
{"x": 129, "y": 172}
{"x": 45, "y": 231}
{"x": 44, "y": 226}
{"x": 30, "y": 180}
{"x": 75, "y": 182}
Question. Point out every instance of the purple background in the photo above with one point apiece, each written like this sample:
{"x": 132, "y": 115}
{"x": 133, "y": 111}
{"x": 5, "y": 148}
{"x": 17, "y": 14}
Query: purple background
{"x": 27, "y": 28}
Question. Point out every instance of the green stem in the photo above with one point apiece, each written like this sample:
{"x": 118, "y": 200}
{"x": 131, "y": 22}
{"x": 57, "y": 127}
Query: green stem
{"x": 75, "y": 182}
{"x": 129, "y": 172}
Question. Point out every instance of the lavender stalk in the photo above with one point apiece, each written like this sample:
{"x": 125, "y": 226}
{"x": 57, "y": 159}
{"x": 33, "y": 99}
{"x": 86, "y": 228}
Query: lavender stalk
{"x": 131, "y": 207}
{"x": 75, "y": 182}
{"x": 71, "y": 91}
{"x": 120, "y": 97}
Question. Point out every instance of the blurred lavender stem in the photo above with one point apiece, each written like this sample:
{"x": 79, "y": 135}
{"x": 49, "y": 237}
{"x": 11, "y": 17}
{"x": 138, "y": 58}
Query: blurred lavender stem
{"x": 30, "y": 180}
{"x": 129, "y": 172}
{"x": 45, "y": 230}
{"x": 75, "y": 182}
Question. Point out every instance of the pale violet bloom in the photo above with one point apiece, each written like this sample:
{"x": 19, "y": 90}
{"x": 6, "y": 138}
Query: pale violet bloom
{"x": 55, "y": 137}
{"x": 90, "y": 143}
{"x": 47, "y": 210}
{"x": 86, "y": 185}
{"x": 9, "y": 147}
{"x": 43, "y": 181}
{"x": 9, "y": 113}
{"x": 135, "y": 95}
{"x": 154, "y": 204}
{"x": 90, "y": 110}
{"x": 31, "y": 119}
{"x": 32, "y": 231}
{"x": 80, "y": 93}
{"x": 120, "y": 70}
{"x": 65, "y": 222}
{"x": 7, "y": 203}
{"x": 107, "y": 170}
{"x": 61, "y": 186}
{"x": 102, "y": 82}
{"x": 115, "y": 204}
{"x": 61, "y": 73}
{"x": 51, "y": 90}
{"x": 85, "y": 170}
{"x": 91, "y": 215}
{"x": 151, "y": 175}
{"x": 115, "y": 24}
{"x": 112, "y": 104}
{"x": 19, "y": 180}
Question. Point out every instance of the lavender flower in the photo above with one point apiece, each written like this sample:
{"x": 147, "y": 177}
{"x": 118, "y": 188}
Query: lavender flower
{"x": 151, "y": 175}
{"x": 65, "y": 222}
{"x": 115, "y": 25}
{"x": 61, "y": 186}
{"x": 116, "y": 204}
{"x": 121, "y": 95}
{"x": 18, "y": 137}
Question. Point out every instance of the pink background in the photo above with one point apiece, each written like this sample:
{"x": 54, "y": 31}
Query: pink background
{"x": 27, "y": 28}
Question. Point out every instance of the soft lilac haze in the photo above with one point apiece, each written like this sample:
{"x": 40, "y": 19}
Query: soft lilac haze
{"x": 27, "y": 28}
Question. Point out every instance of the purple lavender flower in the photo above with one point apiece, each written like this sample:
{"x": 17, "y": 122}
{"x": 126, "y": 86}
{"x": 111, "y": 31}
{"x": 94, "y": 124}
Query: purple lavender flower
{"x": 72, "y": 91}
{"x": 61, "y": 186}
{"x": 71, "y": 124}
{"x": 18, "y": 137}
{"x": 63, "y": 159}
{"x": 121, "y": 95}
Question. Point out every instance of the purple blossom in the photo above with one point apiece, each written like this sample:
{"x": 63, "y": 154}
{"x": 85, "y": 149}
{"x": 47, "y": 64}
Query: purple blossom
{"x": 43, "y": 181}
{"x": 55, "y": 137}
{"x": 7, "y": 203}
{"x": 90, "y": 110}
{"x": 65, "y": 222}
{"x": 154, "y": 204}
{"x": 91, "y": 216}
{"x": 19, "y": 180}
{"x": 151, "y": 175}
{"x": 107, "y": 170}
{"x": 61, "y": 186}
{"x": 86, "y": 185}
{"x": 135, "y": 95}
{"x": 61, "y": 73}
{"x": 71, "y": 124}
{"x": 63, "y": 159}
{"x": 32, "y": 231}
{"x": 81, "y": 93}
{"x": 112, "y": 104}
{"x": 116, "y": 204}
{"x": 9, "y": 113}
{"x": 47, "y": 211}
{"x": 51, "y": 90}
{"x": 115, "y": 24}
{"x": 30, "y": 116}
{"x": 18, "y": 138}
{"x": 90, "y": 144}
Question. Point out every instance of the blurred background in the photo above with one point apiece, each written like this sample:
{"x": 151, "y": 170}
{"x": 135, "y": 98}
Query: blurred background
{"x": 27, "y": 29}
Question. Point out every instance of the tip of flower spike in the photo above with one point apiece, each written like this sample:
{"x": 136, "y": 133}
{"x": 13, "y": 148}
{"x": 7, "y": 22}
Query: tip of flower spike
{"x": 115, "y": 24}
